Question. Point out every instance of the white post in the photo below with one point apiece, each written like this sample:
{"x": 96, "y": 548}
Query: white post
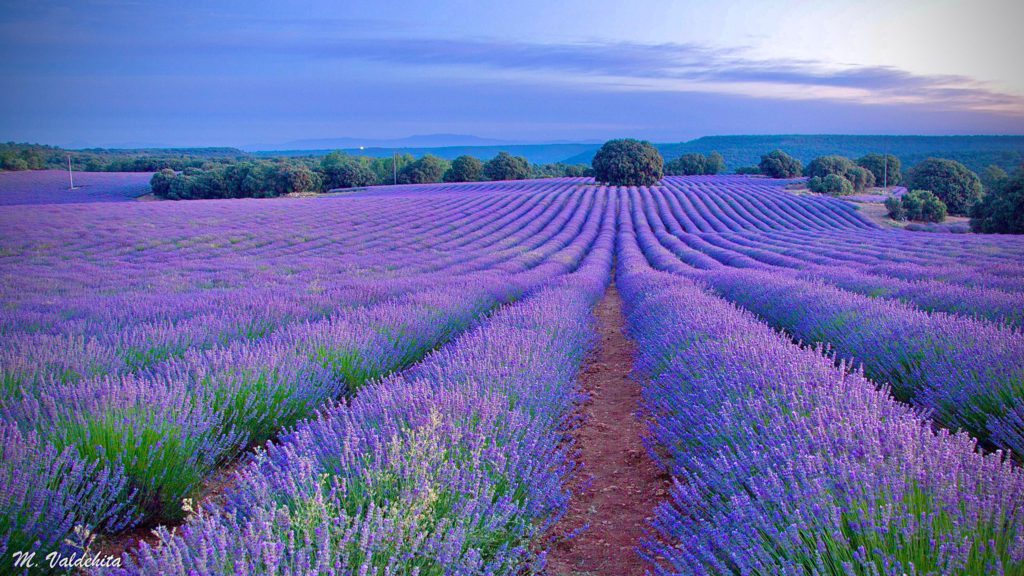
{"x": 885, "y": 172}
{"x": 71, "y": 176}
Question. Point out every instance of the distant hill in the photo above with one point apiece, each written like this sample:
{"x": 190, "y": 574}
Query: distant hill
{"x": 536, "y": 153}
{"x": 417, "y": 141}
{"x": 976, "y": 152}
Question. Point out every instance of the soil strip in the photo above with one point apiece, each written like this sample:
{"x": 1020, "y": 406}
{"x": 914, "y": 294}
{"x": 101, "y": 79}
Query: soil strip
{"x": 618, "y": 485}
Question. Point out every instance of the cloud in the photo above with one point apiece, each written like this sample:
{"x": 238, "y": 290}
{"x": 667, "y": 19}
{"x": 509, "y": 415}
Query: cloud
{"x": 194, "y": 78}
{"x": 684, "y": 66}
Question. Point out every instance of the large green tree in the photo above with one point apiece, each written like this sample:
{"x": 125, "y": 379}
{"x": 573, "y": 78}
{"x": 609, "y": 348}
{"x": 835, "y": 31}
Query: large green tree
{"x": 343, "y": 171}
{"x": 1001, "y": 211}
{"x": 950, "y": 180}
{"x": 505, "y": 166}
{"x": 778, "y": 164}
{"x": 465, "y": 169}
{"x": 628, "y": 162}
{"x": 822, "y": 166}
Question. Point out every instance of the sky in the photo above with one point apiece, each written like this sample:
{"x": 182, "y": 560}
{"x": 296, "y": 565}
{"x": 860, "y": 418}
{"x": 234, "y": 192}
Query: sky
{"x": 263, "y": 74}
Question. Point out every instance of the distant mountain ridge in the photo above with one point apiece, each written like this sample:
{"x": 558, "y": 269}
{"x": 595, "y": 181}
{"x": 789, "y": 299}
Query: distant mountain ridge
{"x": 536, "y": 153}
{"x": 415, "y": 141}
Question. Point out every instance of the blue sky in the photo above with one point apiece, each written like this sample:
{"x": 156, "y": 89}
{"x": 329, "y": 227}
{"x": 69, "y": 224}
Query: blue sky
{"x": 121, "y": 72}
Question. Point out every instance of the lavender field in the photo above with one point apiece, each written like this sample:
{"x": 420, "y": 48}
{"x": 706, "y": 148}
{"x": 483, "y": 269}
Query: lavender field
{"x": 53, "y": 187}
{"x": 388, "y": 380}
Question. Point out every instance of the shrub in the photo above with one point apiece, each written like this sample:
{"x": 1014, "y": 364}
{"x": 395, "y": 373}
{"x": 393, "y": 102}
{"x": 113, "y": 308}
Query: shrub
{"x": 895, "y": 209}
{"x": 918, "y": 205}
{"x": 628, "y": 162}
{"x": 885, "y": 169}
{"x": 951, "y": 181}
{"x": 505, "y": 166}
{"x": 465, "y": 169}
{"x": 832, "y": 184}
{"x": 778, "y": 164}
{"x": 1002, "y": 209}
{"x": 748, "y": 170}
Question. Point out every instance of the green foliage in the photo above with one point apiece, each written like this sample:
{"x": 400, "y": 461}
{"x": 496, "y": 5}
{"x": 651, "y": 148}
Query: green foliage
{"x": 917, "y": 205}
{"x": 826, "y": 165}
{"x": 628, "y": 162}
{"x": 951, "y": 181}
{"x": 465, "y": 169}
{"x": 976, "y": 152}
{"x": 992, "y": 177}
{"x": 340, "y": 170}
{"x": 427, "y": 170}
{"x": 1002, "y": 209}
{"x": 860, "y": 177}
{"x": 750, "y": 170}
{"x": 560, "y": 170}
{"x": 388, "y": 168}
{"x": 885, "y": 169}
{"x": 696, "y": 164}
{"x": 241, "y": 180}
{"x": 778, "y": 164}
{"x": 823, "y": 167}
{"x": 894, "y": 207}
{"x": 715, "y": 163}
{"x": 831, "y": 184}
{"x": 505, "y": 166}
{"x": 292, "y": 178}
{"x": 686, "y": 165}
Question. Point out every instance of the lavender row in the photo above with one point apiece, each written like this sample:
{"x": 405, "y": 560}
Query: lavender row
{"x": 975, "y": 301}
{"x": 967, "y": 372}
{"x": 453, "y": 468}
{"x": 787, "y": 464}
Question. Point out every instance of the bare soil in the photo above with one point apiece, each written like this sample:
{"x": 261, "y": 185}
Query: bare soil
{"x": 212, "y": 492}
{"x": 618, "y": 485}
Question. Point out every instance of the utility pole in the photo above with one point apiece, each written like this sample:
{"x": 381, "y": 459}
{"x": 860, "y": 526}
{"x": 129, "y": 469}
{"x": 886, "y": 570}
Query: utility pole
{"x": 71, "y": 176}
{"x": 885, "y": 171}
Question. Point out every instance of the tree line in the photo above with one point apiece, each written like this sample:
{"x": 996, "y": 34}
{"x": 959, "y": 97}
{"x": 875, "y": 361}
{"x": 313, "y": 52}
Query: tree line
{"x": 337, "y": 170}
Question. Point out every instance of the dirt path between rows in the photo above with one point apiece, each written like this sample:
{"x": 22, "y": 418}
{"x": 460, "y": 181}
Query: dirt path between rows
{"x": 616, "y": 490}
